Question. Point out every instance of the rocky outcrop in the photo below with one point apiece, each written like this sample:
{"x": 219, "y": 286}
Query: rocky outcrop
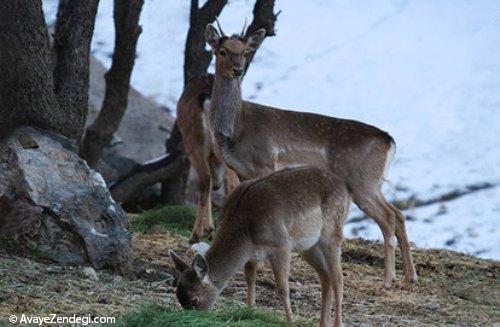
{"x": 51, "y": 202}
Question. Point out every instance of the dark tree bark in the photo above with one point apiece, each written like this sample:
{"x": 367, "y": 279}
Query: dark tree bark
{"x": 173, "y": 186}
{"x": 26, "y": 83}
{"x": 196, "y": 62}
{"x": 100, "y": 133}
{"x": 263, "y": 17}
{"x": 196, "y": 58}
{"x": 73, "y": 35}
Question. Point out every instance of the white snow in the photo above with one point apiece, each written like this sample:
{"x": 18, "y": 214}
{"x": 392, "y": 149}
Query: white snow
{"x": 426, "y": 71}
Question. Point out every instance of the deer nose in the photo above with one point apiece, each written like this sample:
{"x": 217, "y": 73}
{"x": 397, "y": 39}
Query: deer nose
{"x": 237, "y": 71}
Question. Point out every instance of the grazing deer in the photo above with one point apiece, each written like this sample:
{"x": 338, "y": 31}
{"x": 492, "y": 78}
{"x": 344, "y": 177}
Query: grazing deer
{"x": 254, "y": 140}
{"x": 199, "y": 148}
{"x": 296, "y": 209}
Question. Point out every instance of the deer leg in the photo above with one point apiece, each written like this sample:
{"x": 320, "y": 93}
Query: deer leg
{"x": 204, "y": 206}
{"x": 280, "y": 263}
{"x": 338, "y": 279}
{"x": 216, "y": 171}
{"x": 250, "y": 276}
{"x": 373, "y": 205}
{"x": 230, "y": 180}
{"x": 404, "y": 245}
{"x": 316, "y": 258}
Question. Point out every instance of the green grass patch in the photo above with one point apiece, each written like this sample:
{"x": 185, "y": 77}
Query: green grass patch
{"x": 176, "y": 219}
{"x": 228, "y": 314}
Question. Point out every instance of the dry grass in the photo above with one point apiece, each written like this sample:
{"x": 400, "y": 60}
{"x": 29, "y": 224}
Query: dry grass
{"x": 453, "y": 289}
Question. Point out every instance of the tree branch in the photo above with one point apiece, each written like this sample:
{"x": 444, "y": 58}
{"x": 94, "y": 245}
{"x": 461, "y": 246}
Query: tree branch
{"x": 100, "y": 133}
{"x": 263, "y": 17}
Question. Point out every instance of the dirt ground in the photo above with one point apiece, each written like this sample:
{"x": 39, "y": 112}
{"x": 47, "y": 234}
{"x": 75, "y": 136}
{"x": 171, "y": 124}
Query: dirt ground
{"x": 453, "y": 289}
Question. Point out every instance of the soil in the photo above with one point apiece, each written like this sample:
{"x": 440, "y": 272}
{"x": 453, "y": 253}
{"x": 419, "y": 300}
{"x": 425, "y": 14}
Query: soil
{"x": 453, "y": 289}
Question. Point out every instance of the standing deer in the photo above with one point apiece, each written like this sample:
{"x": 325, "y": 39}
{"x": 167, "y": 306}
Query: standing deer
{"x": 254, "y": 140}
{"x": 296, "y": 209}
{"x": 199, "y": 148}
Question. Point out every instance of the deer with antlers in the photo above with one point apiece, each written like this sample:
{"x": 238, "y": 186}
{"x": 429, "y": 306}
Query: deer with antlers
{"x": 255, "y": 140}
{"x": 266, "y": 219}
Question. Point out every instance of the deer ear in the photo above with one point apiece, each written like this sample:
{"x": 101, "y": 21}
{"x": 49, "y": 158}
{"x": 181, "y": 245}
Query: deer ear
{"x": 212, "y": 36}
{"x": 254, "y": 40}
{"x": 180, "y": 264}
{"x": 200, "y": 267}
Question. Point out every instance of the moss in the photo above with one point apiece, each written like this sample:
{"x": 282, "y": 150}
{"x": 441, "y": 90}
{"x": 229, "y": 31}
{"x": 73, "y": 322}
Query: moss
{"x": 176, "y": 219}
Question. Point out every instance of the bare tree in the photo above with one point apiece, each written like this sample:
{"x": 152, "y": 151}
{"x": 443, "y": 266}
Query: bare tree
{"x": 127, "y": 31}
{"x": 196, "y": 62}
{"x": 73, "y": 35}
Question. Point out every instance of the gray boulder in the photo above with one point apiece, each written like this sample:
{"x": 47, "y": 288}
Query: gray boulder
{"x": 51, "y": 201}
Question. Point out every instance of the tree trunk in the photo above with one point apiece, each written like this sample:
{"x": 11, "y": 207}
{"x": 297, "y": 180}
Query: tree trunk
{"x": 173, "y": 187}
{"x": 26, "y": 83}
{"x": 100, "y": 133}
{"x": 196, "y": 58}
{"x": 73, "y": 35}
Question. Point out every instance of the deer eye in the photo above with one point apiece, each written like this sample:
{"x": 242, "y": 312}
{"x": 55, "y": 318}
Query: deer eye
{"x": 223, "y": 53}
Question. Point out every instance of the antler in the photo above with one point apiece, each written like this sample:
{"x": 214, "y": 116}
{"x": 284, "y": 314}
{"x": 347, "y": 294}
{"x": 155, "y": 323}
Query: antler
{"x": 220, "y": 28}
{"x": 242, "y": 34}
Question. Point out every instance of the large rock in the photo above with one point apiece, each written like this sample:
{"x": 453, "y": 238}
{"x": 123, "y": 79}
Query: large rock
{"x": 51, "y": 201}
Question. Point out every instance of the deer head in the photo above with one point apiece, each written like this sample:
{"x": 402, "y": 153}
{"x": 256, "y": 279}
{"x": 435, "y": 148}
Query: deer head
{"x": 230, "y": 52}
{"x": 194, "y": 290}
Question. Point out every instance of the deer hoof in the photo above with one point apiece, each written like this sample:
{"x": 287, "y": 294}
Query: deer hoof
{"x": 194, "y": 239}
{"x": 412, "y": 279}
{"x": 209, "y": 231}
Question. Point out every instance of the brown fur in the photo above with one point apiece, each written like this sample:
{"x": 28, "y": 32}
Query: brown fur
{"x": 254, "y": 140}
{"x": 198, "y": 145}
{"x": 298, "y": 209}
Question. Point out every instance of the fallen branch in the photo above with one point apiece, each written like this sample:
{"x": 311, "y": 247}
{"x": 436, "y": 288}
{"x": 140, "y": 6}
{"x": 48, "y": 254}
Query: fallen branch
{"x": 414, "y": 202}
{"x": 146, "y": 174}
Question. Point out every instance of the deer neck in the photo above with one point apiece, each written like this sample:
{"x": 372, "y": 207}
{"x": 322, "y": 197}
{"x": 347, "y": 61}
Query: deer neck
{"x": 226, "y": 256}
{"x": 225, "y": 105}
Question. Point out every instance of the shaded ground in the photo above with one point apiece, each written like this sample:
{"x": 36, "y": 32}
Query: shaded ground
{"x": 453, "y": 289}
